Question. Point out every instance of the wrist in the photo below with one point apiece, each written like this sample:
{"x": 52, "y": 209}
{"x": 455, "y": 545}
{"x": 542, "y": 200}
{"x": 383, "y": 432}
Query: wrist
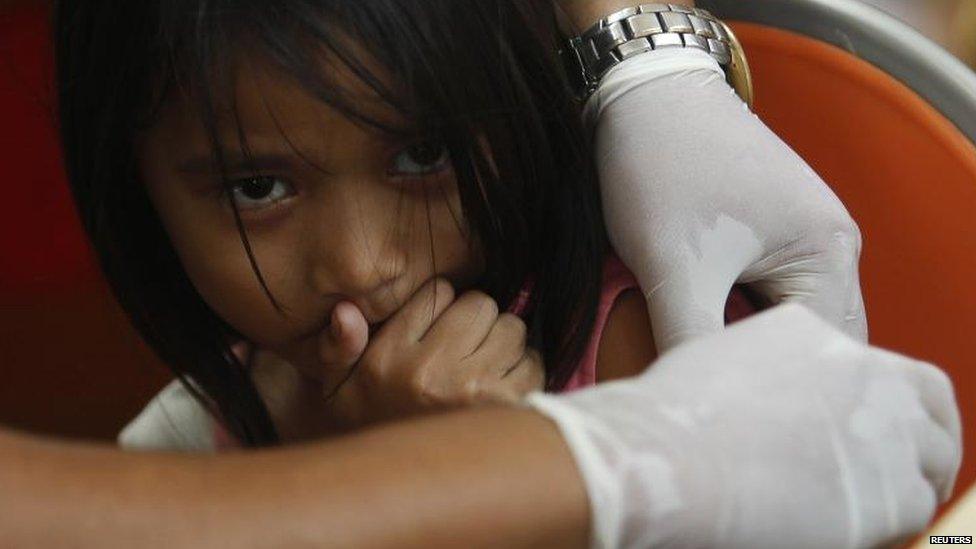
{"x": 638, "y": 30}
{"x": 584, "y": 13}
{"x": 653, "y": 71}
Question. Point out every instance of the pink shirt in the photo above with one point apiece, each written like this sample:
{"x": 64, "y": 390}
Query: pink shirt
{"x": 617, "y": 278}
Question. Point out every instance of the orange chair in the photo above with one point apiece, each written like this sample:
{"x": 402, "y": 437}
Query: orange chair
{"x": 888, "y": 119}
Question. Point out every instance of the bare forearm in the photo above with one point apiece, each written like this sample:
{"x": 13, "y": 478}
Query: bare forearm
{"x": 499, "y": 477}
{"x": 583, "y": 13}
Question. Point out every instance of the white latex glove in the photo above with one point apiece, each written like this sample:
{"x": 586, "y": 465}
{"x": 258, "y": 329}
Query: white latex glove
{"x": 699, "y": 194}
{"x": 779, "y": 432}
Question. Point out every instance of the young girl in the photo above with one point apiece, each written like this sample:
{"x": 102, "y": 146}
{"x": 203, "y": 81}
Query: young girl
{"x": 287, "y": 177}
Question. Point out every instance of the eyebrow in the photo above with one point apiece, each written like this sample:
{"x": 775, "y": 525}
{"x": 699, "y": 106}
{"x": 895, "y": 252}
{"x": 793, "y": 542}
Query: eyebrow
{"x": 236, "y": 162}
{"x": 205, "y": 164}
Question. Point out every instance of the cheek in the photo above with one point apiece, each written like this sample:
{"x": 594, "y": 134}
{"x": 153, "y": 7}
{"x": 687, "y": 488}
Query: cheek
{"x": 216, "y": 263}
{"x": 441, "y": 229}
{"x": 230, "y": 287}
{"x": 212, "y": 254}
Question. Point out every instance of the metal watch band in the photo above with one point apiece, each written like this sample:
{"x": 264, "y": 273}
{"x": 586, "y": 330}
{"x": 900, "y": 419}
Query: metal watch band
{"x": 643, "y": 28}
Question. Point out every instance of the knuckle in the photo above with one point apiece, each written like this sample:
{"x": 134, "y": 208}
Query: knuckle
{"x": 481, "y": 301}
{"x": 442, "y": 289}
{"x": 849, "y": 235}
{"x": 477, "y": 306}
{"x": 854, "y": 230}
{"x": 937, "y": 380}
{"x": 921, "y": 504}
{"x": 468, "y": 392}
{"x": 475, "y": 392}
{"x": 841, "y": 234}
{"x": 513, "y": 325}
{"x": 536, "y": 378}
{"x": 501, "y": 396}
{"x": 534, "y": 358}
{"x": 420, "y": 380}
{"x": 439, "y": 397}
{"x": 488, "y": 306}
{"x": 418, "y": 387}
{"x": 461, "y": 393}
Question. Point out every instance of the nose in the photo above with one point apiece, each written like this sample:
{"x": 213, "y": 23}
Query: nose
{"x": 353, "y": 248}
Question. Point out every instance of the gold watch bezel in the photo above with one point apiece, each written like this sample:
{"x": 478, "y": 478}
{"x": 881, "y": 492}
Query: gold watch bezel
{"x": 739, "y": 76}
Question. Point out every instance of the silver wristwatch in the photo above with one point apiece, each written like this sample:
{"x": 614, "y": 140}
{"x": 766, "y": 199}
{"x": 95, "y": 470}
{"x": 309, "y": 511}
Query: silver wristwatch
{"x": 648, "y": 27}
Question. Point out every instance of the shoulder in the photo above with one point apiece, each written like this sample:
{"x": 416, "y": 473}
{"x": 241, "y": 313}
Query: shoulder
{"x": 174, "y": 421}
{"x": 626, "y": 343}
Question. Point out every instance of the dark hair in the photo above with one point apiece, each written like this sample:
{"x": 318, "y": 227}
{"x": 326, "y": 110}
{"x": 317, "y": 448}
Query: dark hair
{"x": 470, "y": 69}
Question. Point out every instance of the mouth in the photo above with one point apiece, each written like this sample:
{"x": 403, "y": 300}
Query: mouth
{"x": 378, "y": 310}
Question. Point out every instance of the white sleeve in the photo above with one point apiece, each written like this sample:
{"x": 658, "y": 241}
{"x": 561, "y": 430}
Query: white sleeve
{"x": 172, "y": 421}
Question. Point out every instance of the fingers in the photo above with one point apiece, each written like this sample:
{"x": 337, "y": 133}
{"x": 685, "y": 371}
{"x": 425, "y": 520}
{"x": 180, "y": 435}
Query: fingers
{"x": 527, "y": 375}
{"x": 341, "y": 345}
{"x": 920, "y": 396}
{"x": 438, "y": 352}
{"x": 826, "y": 281}
{"x": 510, "y": 369}
{"x": 691, "y": 303}
{"x": 504, "y": 345}
{"x": 940, "y": 445}
{"x": 415, "y": 318}
{"x": 939, "y": 456}
{"x": 496, "y": 367}
{"x": 835, "y": 297}
{"x": 465, "y": 324}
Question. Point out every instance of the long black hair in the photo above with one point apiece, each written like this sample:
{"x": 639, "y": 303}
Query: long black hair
{"x": 467, "y": 71}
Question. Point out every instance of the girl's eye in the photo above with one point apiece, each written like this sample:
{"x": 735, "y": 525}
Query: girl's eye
{"x": 423, "y": 158}
{"x": 259, "y": 192}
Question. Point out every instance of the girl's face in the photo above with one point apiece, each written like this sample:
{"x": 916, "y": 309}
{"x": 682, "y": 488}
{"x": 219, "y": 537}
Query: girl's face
{"x": 333, "y": 211}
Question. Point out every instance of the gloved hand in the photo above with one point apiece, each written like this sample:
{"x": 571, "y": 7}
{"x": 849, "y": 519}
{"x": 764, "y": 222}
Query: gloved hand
{"x": 699, "y": 194}
{"x": 779, "y": 432}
